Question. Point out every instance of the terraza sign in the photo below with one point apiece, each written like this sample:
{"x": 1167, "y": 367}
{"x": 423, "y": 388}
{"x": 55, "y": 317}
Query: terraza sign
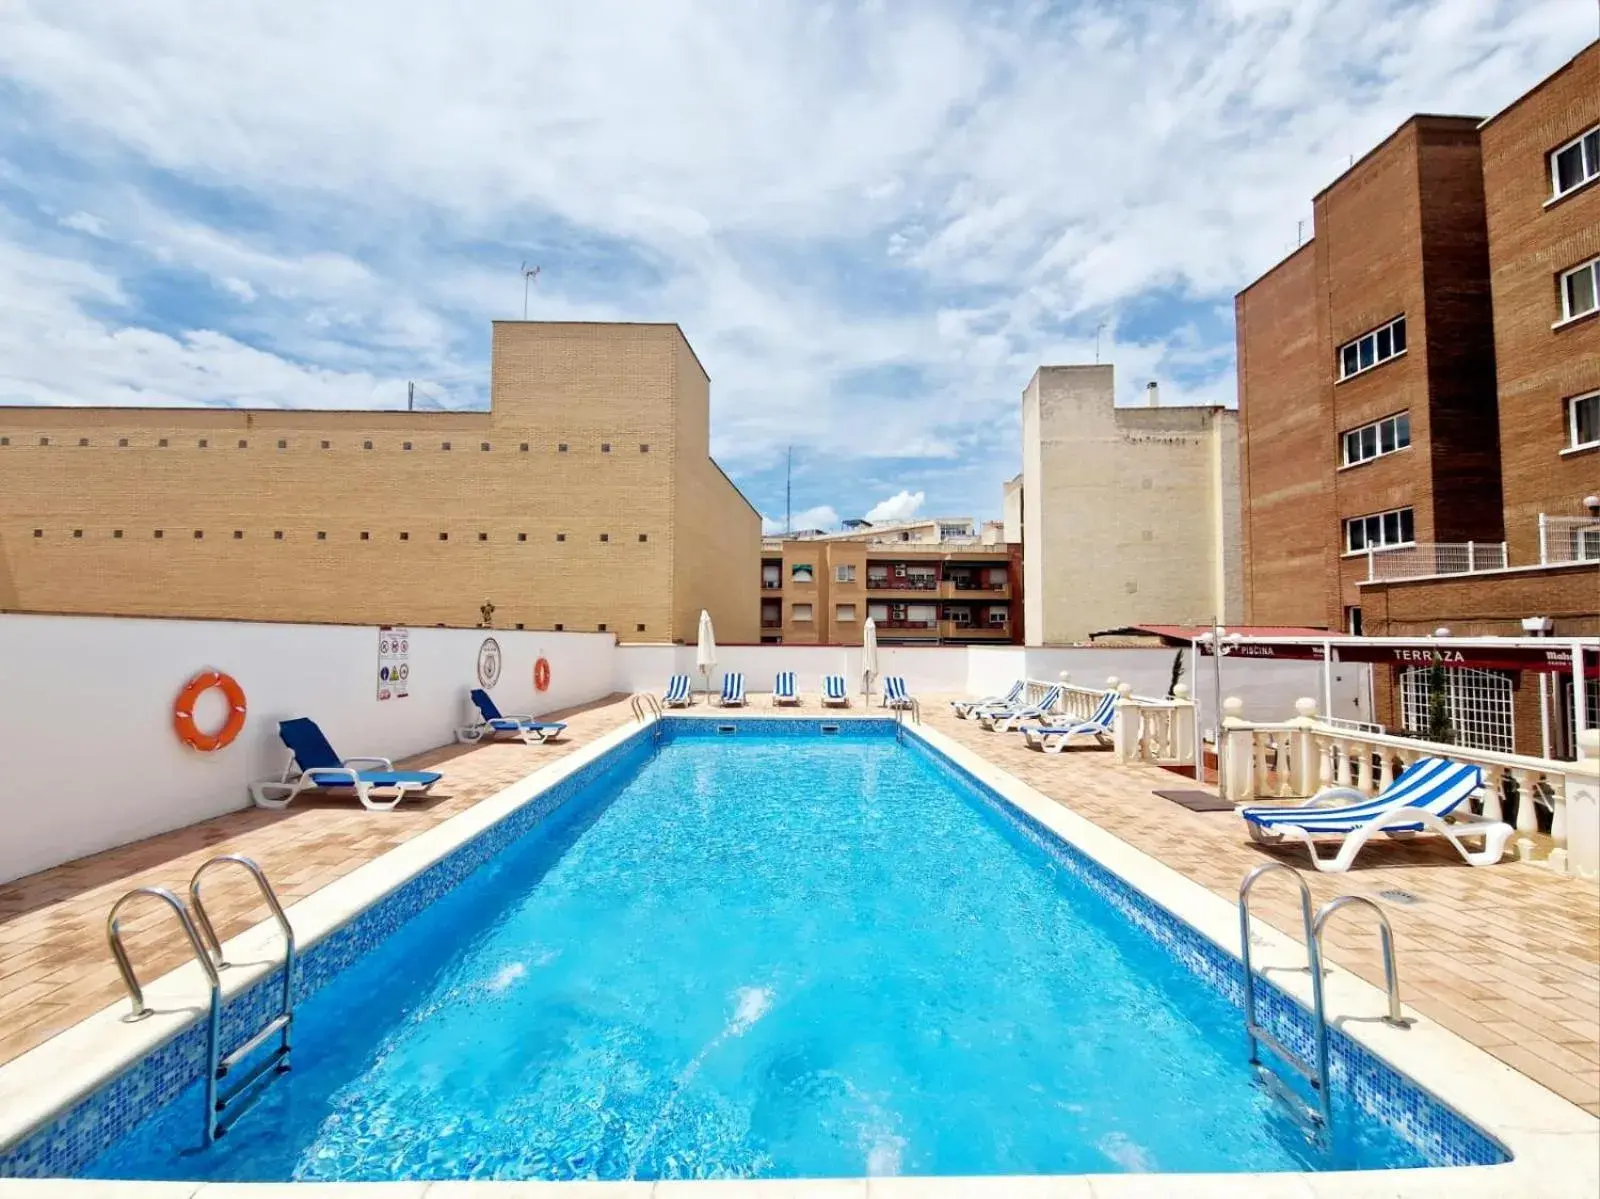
{"x": 1548, "y": 661}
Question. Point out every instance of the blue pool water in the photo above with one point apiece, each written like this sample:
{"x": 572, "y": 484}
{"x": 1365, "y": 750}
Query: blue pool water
{"x": 762, "y": 956}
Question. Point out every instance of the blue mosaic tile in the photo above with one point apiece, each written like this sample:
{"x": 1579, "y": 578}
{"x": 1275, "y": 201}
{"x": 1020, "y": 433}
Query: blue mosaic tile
{"x": 79, "y": 1135}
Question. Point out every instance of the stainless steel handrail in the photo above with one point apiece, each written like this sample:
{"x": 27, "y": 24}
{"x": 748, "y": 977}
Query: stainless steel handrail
{"x": 201, "y": 955}
{"x": 282, "y": 1024}
{"x": 1391, "y": 969}
{"x": 120, "y": 953}
{"x": 1315, "y": 1073}
{"x": 642, "y": 703}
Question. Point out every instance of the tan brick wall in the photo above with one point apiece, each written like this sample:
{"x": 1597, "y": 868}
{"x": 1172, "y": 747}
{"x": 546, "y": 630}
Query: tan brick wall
{"x": 403, "y": 531}
{"x": 1124, "y": 509}
{"x": 1538, "y": 367}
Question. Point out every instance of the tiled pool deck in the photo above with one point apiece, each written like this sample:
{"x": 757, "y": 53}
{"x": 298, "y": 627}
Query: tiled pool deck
{"x": 1506, "y": 957}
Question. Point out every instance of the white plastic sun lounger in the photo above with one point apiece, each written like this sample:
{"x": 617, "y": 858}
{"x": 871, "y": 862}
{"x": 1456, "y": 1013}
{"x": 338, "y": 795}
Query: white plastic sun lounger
{"x": 1427, "y": 791}
{"x": 895, "y": 694}
{"x": 1006, "y": 719}
{"x": 834, "y": 694}
{"x": 1053, "y": 738}
{"x": 732, "y": 690}
{"x": 969, "y": 708}
{"x": 785, "y": 690}
{"x": 678, "y": 694}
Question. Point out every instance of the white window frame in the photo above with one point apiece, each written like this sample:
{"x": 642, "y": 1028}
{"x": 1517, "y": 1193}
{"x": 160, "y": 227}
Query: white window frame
{"x": 1380, "y": 544}
{"x": 960, "y": 617}
{"x": 844, "y": 613}
{"x": 803, "y": 614}
{"x": 1591, "y": 397}
{"x": 1588, "y": 144}
{"x": 844, "y": 573}
{"x": 1377, "y": 427}
{"x": 999, "y": 617}
{"x": 1592, "y": 268}
{"x": 1375, "y": 336}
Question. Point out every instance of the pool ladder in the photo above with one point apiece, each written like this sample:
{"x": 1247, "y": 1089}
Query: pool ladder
{"x": 645, "y": 704}
{"x": 222, "y": 1107}
{"x": 1315, "y": 1072}
{"x": 908, "y": 707}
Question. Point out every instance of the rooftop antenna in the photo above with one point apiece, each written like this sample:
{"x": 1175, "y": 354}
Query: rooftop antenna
{"x": 529, "y": 274}
{"x": 1097, "y": 330}
{"x": 1299, "y": 232}
{"x": 788, "y": 495}
{"x": 411, "y": 395}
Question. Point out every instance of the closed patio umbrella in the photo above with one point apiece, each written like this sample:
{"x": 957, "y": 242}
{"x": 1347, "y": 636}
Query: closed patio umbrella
{"x": 705, "y": 654}
{"x": 869, "y": 656}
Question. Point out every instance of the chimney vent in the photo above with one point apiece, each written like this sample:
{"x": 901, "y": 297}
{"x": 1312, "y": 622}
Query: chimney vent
{"x": 1152, "y": 394}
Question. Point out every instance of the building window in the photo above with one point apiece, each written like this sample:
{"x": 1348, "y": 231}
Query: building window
{"x": 523, "y": 448}
{"x": 1371, "y": 349}
{"x": 7, "y": 441}
{"x": 998, "y": 618}
{"x": 802, "y": 612}
{"x": 559, "y": 627}
{"x": 599, "y": 628}
{"x": 444, "y": 537}
{"x": 1379, "y": 531}
{"x": 405, "y": 537}
{"x": 1580, "y": 288}
{"x": 277, "y": 535}
{"x": 159, "y": 534}
{"x": 122, "y": 442}
{"x": 644, "y": 448}
{"x": 77, "y": 532}
{"x": 238, "y": 534}
{"x": 404, "y": 445}
{"x": 1352, "y": 621}
{"x": 801, "y": 572}
{"x": 844, "y": 574}
{"x": 44, "y": 441}
{"x": 483, "y": 537}
{"x": 960, "y": 617}
{"x": 605, "y": 537}
{"x": 1380, "y": 437}
{"x": 322, "y": 535}
{"x": 1478, "y": 703}
{"x": 1575, "y": 163}
{"x": 366, "y": 445}
{"x": 329, "y": 445}
{"x": 1583, "y": 420}
{"x": 162, "y": 444}
{"x": 82, "y": 441}
{"x": 522, "y": 537}
{"x": 198, "y": 534}
{"x": 365, "y": 535}
{"x": 638, "y": 628}
{"x": 40, "y": 533}
{"x": 444, "y": 445}
{"x": 844, "y": 612}
{"x": 203, "y": 443}
{"x": 282, "y": 445}
{"x": 605, "y": 447}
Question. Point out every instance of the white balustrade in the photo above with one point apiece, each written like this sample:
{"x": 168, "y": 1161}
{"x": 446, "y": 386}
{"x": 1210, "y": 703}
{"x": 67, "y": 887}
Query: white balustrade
{"x": 1296, "y": 758}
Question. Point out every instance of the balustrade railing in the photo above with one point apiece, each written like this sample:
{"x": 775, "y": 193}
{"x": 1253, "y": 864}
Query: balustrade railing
{"x": 1159, "y": 731}
{"x": 1295, "y": 759}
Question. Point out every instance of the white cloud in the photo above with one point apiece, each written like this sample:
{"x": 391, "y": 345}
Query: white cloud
{"x": 84, "y": 222}
{"x": 821, "y": 517}
{"x": 903, "y": 505}
{"x": 820, "y": 195}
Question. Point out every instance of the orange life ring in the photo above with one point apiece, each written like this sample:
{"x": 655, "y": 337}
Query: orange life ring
{"x": 183, "y": 711}
{"x": 541, "y": 674}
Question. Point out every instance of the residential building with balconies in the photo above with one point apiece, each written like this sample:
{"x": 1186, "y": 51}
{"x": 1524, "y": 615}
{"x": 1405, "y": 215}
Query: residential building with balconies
{"x": 1419, "y": 391}
{"x": 933, "y": 582}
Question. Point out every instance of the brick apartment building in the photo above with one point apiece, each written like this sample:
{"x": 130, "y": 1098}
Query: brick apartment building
{"x": 1419, "y": 391}
{"x": 931, "y": 582}
{"x": 585, "y": 498}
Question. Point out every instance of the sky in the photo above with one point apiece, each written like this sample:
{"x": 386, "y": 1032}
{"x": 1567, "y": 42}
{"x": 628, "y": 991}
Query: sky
{"x": 872, "y": 220}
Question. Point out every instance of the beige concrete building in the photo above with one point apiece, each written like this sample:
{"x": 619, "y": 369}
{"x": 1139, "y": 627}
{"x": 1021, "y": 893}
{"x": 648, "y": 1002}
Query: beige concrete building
{"x": 1128, "y": 515}
{"x": 584, "y": 499}
{"x": 923, "y": 582}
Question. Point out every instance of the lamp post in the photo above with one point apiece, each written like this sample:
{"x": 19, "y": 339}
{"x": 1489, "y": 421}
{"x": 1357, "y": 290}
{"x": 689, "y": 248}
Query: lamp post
{"x": 1220, "y": 646}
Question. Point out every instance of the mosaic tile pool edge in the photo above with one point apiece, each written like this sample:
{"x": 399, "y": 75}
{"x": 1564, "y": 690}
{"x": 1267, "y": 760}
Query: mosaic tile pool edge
{"x": 1439, "y": 1132}
{"x": 78, "y": 1135}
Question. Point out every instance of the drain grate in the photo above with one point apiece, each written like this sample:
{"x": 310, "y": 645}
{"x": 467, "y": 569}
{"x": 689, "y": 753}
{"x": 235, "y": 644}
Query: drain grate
{"x": 1395, "y": 895}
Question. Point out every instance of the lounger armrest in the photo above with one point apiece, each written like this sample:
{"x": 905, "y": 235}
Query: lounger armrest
{"x": 385, "y": 763}
{"x": 1334, "y": 797}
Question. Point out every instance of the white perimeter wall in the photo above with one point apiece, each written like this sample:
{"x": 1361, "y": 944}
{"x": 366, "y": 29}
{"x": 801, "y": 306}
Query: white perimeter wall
{"x": 89, "y": 759}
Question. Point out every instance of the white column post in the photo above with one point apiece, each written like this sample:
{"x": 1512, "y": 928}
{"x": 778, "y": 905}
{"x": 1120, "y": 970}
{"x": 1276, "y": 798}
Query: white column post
{"x": 1544, "y": 544}
{"x": 1583, "y": 807}
{"x": 1185, "y": 729}
{"x": 1125, "y": 724}
{"x": 1303, "y": 769}
{"x": 1236, "y": 758}
{"x": 1472, "y": 564}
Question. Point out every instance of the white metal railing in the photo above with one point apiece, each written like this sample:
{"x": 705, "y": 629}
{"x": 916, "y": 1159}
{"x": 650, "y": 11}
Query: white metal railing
{"x": 1568, "y": 539}
{"x": 1145, "y": 729}
{"x": 1295, "y": 759}
{"x": 1426, "y": 558}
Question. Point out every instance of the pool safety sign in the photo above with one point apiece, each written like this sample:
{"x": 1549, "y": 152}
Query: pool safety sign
{"x": 394, "y": 662}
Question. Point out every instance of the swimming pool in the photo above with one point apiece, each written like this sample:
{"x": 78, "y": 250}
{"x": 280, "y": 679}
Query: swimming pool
{"x": 775, "y": 953}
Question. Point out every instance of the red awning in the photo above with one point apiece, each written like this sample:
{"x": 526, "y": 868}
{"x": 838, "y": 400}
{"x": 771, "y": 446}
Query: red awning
{"x": 1555, "y": 660}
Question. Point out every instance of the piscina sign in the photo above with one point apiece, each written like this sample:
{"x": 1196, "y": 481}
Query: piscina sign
{"x": 1555, "y": 660}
